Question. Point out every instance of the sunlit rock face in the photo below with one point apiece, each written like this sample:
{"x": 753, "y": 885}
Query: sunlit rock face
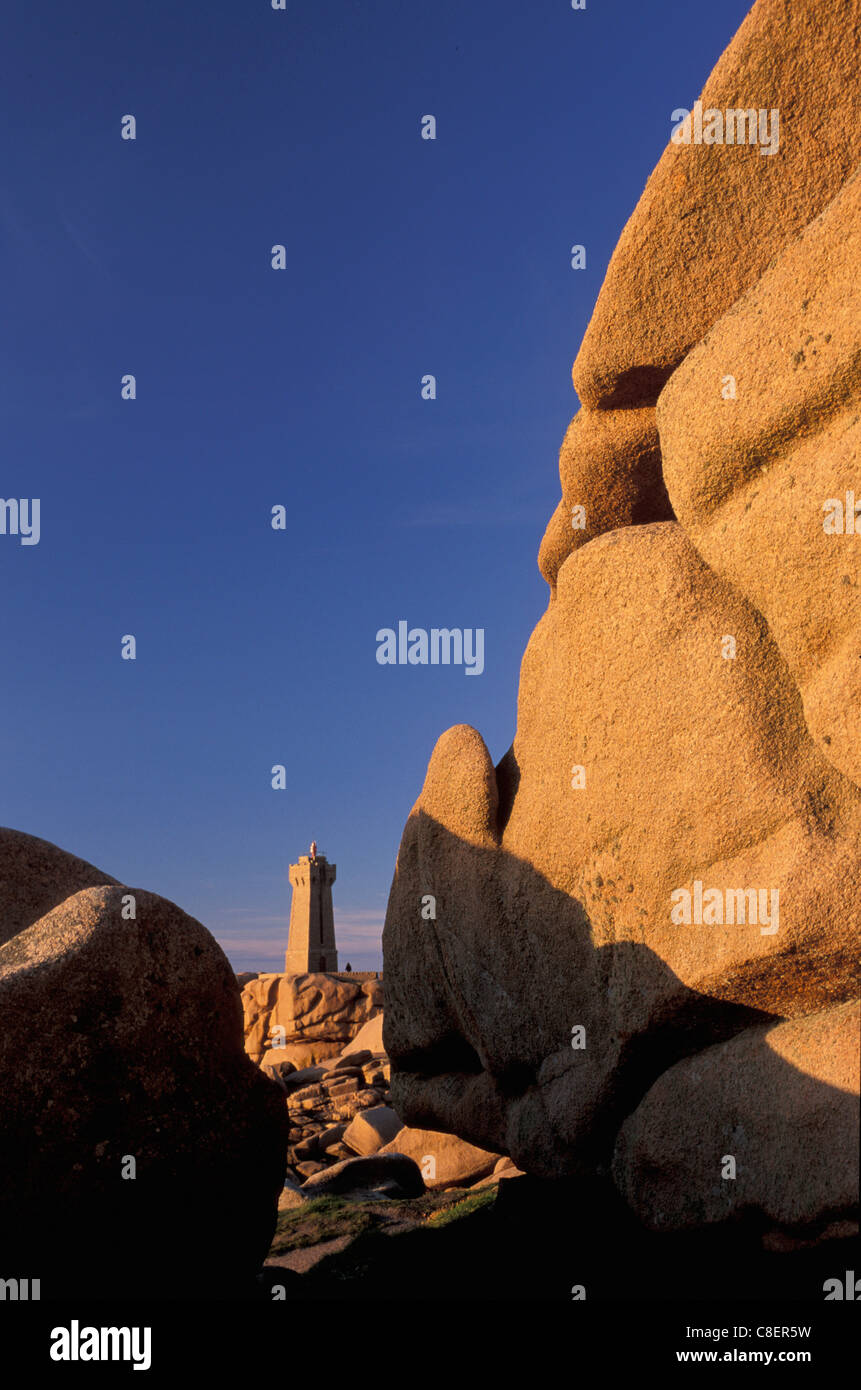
{"x": 760, "y": 482}
{"x": 306, "y": 1017}
{"x": 664, "y": 860}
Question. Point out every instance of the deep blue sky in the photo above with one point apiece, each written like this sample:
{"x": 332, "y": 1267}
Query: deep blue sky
{"x": 302, "y": 387}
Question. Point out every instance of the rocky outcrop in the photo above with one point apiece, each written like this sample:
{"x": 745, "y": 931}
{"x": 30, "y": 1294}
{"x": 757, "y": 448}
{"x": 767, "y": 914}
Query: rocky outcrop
{"x": 663, "y": 862}
{"x": 308, "y": 1017}
{"x": 326, "y": 1105}
{"x": 137, "y": 1140}
{"x": 340, "y": 1110}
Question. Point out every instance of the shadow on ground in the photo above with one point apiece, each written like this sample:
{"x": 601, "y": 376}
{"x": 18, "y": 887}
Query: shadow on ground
{"x": 538, "y": 1239}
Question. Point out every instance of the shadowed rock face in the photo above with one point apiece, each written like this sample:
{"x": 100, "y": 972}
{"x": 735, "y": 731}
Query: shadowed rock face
{"x": 770, "y": 1100}
{"x": 651, "y": 754}
{"x": 122, "y": 1039}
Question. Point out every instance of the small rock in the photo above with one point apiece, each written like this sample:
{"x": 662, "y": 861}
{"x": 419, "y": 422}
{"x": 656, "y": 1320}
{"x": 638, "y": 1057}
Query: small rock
{"x": 369, "y": 1096}
{"x": 276, "y": 1062}
{"x": 507, "y": 1168}
{"x": 306, "y": 1077}
{"x": 338, "y": 1152}
{"x": 369, "y": 1037}
{"x": 343, "y": 1088}
{"x": 291, "y": 1196}
{"x": 390, "y": 1175}
{"x": 352, "y": 1061}
{"x": 445, "y": 1160}
{"x": 330, "y": 1137}
{"x": 371, "y": 1129}
{"x": 504, "y": 1170}
{"x": 314, "y": 1092}
{"x": 309, "y": 1168}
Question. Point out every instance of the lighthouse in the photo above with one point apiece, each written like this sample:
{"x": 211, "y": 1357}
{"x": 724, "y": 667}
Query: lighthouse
{"x": 311, "y": 941}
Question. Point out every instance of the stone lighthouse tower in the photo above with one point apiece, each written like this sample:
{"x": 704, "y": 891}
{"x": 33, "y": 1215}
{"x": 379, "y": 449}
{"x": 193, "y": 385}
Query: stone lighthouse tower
{"x": 311, "y": 943}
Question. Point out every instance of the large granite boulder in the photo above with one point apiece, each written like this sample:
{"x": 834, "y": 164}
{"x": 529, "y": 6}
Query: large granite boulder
{"x": 559, "y": 915}
{"x": 137, "y": 1140}
{"x": 665, "y": 857}
{"x": 764, "y": 1125}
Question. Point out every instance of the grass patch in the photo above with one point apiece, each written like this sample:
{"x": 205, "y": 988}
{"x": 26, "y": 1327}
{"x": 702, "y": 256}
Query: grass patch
{"x": 453, "y": 1246}
{"x": 464, "y": 1207}
{"x": 372, "y": 1227}
{"x": 325, "y": 1218}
